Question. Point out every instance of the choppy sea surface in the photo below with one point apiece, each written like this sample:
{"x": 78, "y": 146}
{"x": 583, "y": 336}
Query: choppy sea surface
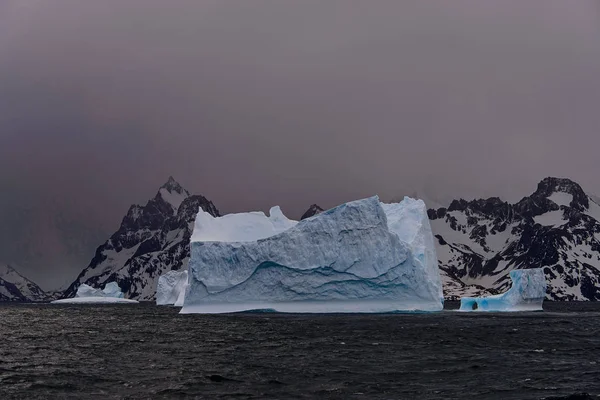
{"x": 143, "y": 351}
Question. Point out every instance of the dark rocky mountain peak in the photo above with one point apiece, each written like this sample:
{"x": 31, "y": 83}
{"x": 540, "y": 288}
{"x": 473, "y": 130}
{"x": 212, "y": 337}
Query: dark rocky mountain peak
{"x": 159, "y": 209}
{"x": 173, "y": 186}
{"x": 312, "y": 211}
{"x": 556, "y": 228}
{"x": 170, "y": 196}
{"x": 151, "y": 240}
{"x": 553, "y": 194}
{"x": 552, "y": 186}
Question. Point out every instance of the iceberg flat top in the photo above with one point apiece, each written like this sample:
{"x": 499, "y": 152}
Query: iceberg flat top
{"x": 361, "y": 256}
{"x": 94, "y": 300}
{"x": 242, "y": 227}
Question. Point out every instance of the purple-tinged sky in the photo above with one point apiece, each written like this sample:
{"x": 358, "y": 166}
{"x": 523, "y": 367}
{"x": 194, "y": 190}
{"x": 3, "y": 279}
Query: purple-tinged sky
{"x": 255, "y": 103}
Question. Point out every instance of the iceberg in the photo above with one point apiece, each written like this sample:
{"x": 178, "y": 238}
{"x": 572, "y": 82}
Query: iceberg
{"x": 87, "y": 294}
{"x": 526, "y": 294}
{"x": 362, "y": 256}
{"x": 112, "y": 289}
{"x": 94, "y": 300}
{"x": 171, "y": 288}
{"x": 241, "y": 227}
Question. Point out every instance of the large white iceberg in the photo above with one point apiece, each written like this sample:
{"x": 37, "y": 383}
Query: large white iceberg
{"x": 87, "y": 294}
{"x": 171, "y": 288}
{"x": 526, "y": 294}
{"x": 362, "y": 256}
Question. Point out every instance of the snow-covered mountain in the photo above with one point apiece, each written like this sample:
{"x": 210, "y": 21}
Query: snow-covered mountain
{"x": 15, "y": 287}
{"x": 312, "y": 211}
{"x": 557, "y": 228}
{"x": 151, "y": 240}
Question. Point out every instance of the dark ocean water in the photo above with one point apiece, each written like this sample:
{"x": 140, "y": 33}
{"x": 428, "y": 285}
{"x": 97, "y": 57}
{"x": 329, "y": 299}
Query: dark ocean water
{"x": 144, "y": 351}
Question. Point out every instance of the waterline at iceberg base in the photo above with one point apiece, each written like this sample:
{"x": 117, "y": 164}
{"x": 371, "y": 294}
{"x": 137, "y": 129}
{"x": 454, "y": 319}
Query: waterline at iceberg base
{"x": 362, "y": 256}
{"x": 526, "y": 294}
{"x": 88, "y": 295}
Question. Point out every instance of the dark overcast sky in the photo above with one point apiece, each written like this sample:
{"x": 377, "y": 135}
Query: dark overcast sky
{"x": 255, "y": 103}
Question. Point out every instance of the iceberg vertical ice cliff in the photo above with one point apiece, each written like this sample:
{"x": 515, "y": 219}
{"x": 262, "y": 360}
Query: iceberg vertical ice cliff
{"x": 242, "y": 227}
{"x": 526, "y": 294}
{"x": 171, "y": 288}
{"x": 362, "y": 256}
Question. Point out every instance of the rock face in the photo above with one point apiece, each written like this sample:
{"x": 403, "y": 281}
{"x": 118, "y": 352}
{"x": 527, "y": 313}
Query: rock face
{"x": 151, "y": 240}
{"x": 556, "y": 228}
{"x": 171, "y": 288}
{"x": 312, "y": 211}
{"x": 526, "y": 294}
{"x": 15, "y": 287}
{"x": 362, "y": 256}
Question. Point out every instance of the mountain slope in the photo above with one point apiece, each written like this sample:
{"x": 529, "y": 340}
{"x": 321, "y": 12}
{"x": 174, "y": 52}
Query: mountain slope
{"x": 478, "y": 242}
{"x": 15, "y": 287}
{"x": 151, "y": 240}
{"x": 556, "y": 228}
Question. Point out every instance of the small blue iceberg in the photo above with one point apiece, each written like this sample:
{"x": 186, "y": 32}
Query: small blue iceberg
{"x": 526, "y": 294}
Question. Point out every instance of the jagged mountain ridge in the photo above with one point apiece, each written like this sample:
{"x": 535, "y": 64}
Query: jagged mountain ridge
{"x": 557, "y": 228}
{"x": 15, "y": 287}
{"x": 152, "y": 240}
